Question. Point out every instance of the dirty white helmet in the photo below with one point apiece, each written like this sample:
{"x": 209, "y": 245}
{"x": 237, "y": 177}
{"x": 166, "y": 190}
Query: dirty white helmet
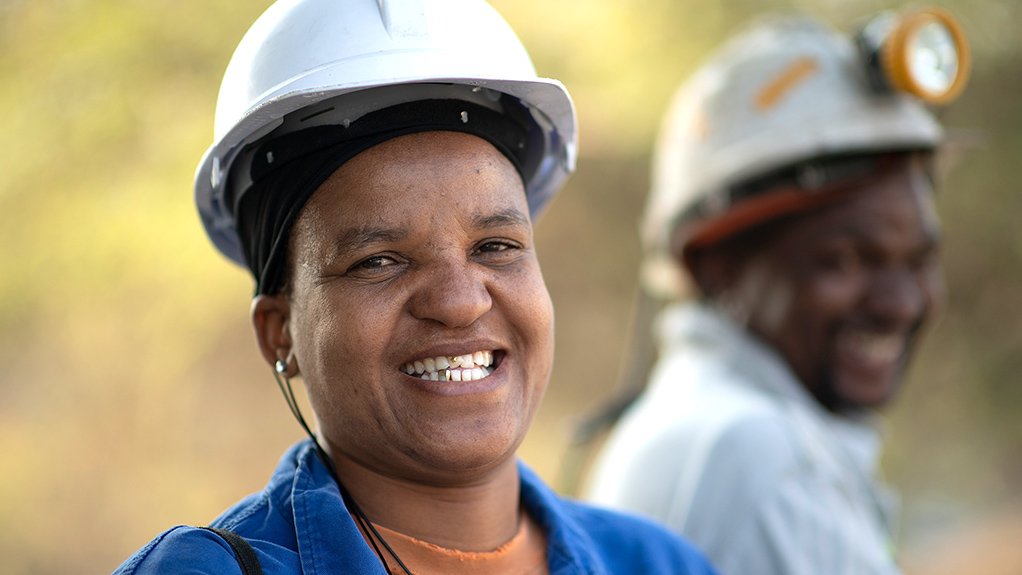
{"x": 785, "y": 91}
{"x": 300, "y": 53}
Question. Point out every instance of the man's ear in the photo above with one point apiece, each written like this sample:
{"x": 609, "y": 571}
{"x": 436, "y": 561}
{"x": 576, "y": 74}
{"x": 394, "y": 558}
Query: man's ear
{"x": 271, "y": 316}
{"x": 713, "y": 270}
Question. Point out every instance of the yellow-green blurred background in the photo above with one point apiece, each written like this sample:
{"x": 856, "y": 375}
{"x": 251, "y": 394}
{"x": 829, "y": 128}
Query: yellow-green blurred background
{"x": 132, "y": 397}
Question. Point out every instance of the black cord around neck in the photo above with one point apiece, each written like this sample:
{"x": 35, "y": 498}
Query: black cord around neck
{"x": 284, "y": 384}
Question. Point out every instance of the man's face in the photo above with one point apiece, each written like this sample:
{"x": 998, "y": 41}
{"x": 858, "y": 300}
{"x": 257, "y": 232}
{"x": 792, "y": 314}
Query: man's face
{"x": 842, "y": 292}
{"x": 414, "y": 255}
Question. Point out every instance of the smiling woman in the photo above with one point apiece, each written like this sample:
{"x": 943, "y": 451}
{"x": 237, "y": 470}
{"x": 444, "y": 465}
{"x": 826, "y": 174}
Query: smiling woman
{"x": 377, "y": 167}
{"x": 452, "y": 274}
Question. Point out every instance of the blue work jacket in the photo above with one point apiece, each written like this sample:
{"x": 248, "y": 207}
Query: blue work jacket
{"x": 299, "y": 524}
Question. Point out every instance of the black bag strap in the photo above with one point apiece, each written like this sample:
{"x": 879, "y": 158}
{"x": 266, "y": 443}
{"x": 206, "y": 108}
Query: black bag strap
{"x": 247, "y": 559}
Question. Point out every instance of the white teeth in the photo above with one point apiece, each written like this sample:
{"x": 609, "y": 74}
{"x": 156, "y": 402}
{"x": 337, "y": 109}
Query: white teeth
{"x": 875, "y": 347}
{"x": 467, "y": 367}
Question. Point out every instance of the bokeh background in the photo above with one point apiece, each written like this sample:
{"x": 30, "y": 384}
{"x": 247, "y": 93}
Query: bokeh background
{"x": 132, "y": 397}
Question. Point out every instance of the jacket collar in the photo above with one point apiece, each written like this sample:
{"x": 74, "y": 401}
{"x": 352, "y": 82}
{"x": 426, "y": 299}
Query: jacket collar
{"x": 699, "y": 326}
{"x": 330, "y": 542}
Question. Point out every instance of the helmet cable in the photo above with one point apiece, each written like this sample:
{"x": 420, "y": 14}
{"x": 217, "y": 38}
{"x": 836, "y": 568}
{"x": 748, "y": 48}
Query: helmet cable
{"x": 367, "y": 527}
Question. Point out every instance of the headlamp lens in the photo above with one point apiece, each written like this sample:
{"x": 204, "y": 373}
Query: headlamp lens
{"x": 923, "y": 53}
{"x": 933, "y": 58}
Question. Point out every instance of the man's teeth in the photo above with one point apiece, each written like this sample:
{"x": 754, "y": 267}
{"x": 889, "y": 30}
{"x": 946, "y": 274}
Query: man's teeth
{"x": 875, "y": 347}
{"x": 468, "y": 367}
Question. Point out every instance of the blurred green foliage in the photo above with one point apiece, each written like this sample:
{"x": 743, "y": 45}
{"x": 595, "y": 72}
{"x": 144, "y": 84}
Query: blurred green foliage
{"x": 132, "y": 397}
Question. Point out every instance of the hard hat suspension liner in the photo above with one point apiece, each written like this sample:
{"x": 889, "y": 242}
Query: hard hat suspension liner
{"x": 279, "y": 175}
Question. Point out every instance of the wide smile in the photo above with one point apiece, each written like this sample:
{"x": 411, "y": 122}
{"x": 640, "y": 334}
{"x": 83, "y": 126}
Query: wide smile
{"x": 466, "y": 367}
{"x": 872, "y": 350}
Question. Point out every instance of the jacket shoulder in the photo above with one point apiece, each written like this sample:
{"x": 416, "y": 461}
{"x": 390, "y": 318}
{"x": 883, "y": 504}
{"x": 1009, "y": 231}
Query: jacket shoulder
{"x": 762, "y": 441}
{"x": 660, "y": 472}
{"x": 632, "y": 544}
{"x": 183, "y": 549}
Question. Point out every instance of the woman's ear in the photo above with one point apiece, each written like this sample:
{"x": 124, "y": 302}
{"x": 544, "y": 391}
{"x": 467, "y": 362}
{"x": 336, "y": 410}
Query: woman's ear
{"x": 271, "y": 319}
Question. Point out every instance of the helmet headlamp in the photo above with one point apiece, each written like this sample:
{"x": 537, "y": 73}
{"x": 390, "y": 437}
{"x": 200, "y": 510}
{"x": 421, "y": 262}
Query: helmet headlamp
{"x": 923, "y": 53}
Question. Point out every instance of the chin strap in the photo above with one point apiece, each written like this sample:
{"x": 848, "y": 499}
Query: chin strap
{"x": 367, "y": 527}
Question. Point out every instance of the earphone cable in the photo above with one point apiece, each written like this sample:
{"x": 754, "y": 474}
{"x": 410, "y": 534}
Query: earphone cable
{"x": 284, "y": 384}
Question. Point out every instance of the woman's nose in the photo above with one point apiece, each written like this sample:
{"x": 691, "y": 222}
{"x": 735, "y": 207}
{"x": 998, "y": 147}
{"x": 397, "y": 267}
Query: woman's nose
{"x": 452, "y": 295}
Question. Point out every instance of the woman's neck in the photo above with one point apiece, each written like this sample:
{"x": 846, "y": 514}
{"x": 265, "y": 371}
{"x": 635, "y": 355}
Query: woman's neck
{"x": 473, "y": 516}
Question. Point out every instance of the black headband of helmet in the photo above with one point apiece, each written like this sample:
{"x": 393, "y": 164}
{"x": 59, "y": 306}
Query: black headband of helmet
{"x": 287, "y": 170}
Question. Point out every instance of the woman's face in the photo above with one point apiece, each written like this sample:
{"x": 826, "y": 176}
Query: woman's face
{"x": 418, "y": 314}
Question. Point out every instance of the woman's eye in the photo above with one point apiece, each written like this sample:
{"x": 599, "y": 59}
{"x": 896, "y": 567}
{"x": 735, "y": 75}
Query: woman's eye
{"x": 494, "y": 247}
{"x": 373, "y": 263}
{"x": 497, "y": 252}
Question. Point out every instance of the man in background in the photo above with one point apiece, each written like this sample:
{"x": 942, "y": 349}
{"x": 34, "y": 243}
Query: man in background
{"x": 793, "y": 192}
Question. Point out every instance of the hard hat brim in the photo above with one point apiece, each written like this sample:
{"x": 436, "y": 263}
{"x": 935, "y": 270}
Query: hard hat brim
{"x": 546, "y": 97}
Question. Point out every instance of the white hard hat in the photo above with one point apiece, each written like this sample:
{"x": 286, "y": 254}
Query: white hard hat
{"x": 784, "y": 91}
{"x": 302, "y": 52}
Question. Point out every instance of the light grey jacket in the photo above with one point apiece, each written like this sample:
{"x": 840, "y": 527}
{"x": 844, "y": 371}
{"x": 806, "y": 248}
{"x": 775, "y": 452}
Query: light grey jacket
{"x": 727, "y": 448}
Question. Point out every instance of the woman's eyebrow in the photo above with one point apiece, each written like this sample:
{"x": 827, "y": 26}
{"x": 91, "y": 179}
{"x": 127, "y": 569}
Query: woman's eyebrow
{"x": 356, "y": 238}
{"x": 505, "y": 217}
